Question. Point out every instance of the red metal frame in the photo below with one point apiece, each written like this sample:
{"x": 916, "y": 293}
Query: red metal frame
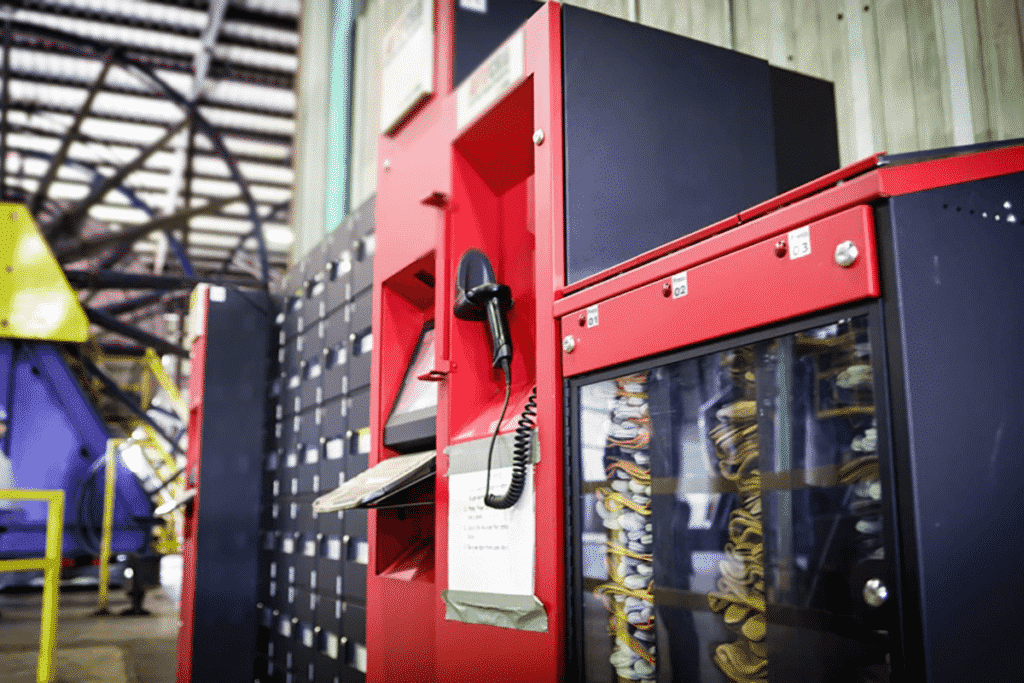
{"x": 797, "y": 193}
{"x": 728, "y": 292}
{"x": 487, "y": 175}
{"x": 775, "y": 217}
{"x": 441, "y": 191}
{"x": 196, "y": 379}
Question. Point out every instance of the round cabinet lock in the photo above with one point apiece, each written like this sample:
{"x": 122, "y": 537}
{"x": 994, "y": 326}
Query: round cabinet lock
{"x": 568, "y": 343}
{"x": 875, "y": 593}
{"x": 846, "y": 254}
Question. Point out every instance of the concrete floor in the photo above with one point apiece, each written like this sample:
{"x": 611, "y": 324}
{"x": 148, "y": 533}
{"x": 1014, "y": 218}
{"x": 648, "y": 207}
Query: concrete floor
{"x": 109, "y": 649}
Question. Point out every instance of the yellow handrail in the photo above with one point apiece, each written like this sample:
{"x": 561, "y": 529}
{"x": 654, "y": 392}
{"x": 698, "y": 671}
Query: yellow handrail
{"x": 50, "y": 564}
{"x": 108, "y": 524}
{"x": 165, "y": 381}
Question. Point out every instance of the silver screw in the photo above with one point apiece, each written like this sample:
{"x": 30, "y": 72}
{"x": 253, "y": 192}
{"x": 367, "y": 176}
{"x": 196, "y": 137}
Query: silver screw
{"x": 538, "y": 136}
{"x": 846, "y": 254}
{"x": 568, "y": 343}
{"x": 387, "y": 164}
{"x": 875, "y": 592}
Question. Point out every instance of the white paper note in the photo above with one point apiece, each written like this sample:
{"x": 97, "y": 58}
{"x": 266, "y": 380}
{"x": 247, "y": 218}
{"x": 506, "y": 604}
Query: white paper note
{"x": 490, "y": 551}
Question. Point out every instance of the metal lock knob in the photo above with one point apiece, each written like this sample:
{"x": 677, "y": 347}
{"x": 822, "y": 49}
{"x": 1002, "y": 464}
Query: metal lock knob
{"x": 846, "y": 254}
{"x": 568, "y": 343}
{"x": 875, "y": 593}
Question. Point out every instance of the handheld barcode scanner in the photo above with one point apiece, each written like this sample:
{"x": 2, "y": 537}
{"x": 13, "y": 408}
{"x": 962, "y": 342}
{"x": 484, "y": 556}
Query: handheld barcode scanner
{"x": 479, "y": 297}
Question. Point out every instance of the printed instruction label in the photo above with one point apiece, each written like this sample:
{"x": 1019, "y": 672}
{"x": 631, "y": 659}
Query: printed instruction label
{"x": 489, "y": 550}
{"x": 490, "y": 81}
{"x": 408, "y": 63}
{"x": 799, "y": 242}
{"x": 679, "y": 285}
{"x": 592, "y": 316}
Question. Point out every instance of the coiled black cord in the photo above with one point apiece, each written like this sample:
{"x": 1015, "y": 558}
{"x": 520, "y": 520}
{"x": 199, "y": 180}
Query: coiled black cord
{"x": 523, "y": 443}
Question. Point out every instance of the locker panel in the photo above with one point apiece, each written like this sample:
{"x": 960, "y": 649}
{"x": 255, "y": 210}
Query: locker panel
{"x": 358, "y": 410}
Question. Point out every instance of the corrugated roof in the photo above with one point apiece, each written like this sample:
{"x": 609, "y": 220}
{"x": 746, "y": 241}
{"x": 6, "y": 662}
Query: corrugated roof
{"x": 56, "y": 52}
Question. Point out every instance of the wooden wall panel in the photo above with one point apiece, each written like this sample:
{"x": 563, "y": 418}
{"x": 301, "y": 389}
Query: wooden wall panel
{"x": 836, "y": 68}
{"x": 365, "y": 107}
{"x": 909, "y": 74}
{"x": 999, "y": 30}
{"x": 752, "y": 27}
{"x": 377, "y": 17}
{"x": 706, "y": 20}
{"x": 807, "y": 48}
{"x": 927, "y": 64}
{"x": 616, "y": 8}
{"x": 967, "y": 13}
{"x": 895, "y": 77}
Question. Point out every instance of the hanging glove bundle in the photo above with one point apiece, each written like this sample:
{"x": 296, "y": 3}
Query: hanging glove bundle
{"x": 625, "y": 508}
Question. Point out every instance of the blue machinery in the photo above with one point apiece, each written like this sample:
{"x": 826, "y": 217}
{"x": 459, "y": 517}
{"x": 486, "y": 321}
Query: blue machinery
{"x": 56, "y": 440}
{"x": 54, "y": 437}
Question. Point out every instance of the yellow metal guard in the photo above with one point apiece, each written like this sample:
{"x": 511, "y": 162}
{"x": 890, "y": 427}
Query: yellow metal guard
{"x": 157, "y": 368}
{"x": 108, "y": 526}
{"x": 51, "y": 571}
{"x": 36, "y": 301}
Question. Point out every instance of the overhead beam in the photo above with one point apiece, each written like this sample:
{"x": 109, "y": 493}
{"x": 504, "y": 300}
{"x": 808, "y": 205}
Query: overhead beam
{"x": 270, "y": 215}
{"x": 129, "y": 305}
{"x": 109, "y": 322}
{"x": 70, "y": 135}
{"x": 181, "y": 174}
{"x": 4, "y": 72}
{"x": 48, "y": 134}
{"x": 113, "y": 279}
{"x": 212, "y": 134}
{"x": 128, "y": 236}
{"x": 70, "y": 220}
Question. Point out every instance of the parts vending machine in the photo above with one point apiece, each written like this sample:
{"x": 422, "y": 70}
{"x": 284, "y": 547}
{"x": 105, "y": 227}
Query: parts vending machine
{"x": 794, "y": 443}
{"x": 659, "y": 394}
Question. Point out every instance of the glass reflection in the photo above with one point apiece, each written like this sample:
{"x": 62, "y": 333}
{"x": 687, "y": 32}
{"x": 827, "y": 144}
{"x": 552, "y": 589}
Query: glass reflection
{"x": 730, "y": 512}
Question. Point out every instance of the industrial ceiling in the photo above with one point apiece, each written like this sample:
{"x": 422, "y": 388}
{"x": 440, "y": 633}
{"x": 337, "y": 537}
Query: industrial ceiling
{"x": 153, "y": 136}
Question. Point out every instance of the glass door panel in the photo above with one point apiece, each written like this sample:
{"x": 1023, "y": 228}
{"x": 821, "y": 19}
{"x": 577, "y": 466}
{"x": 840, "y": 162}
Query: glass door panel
{"x": 730, "y": 516}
